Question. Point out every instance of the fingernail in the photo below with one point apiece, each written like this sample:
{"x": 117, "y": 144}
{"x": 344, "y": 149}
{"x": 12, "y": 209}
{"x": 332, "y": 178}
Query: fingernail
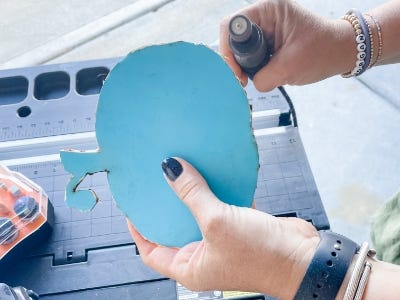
{"x": 171, "y": 168}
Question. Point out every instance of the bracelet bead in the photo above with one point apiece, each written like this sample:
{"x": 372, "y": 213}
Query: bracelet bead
{"x": 360, "y": 38}
{"x": 357, "y": 71}
{"x": 361, "y": 47}
{"x": 361, "y": 55}
{"x": 360, "y": 63}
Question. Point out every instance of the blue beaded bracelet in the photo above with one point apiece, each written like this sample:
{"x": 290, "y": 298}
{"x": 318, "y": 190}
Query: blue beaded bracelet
{"x": 362, "y": 40}
{"x": 367, "y": 42}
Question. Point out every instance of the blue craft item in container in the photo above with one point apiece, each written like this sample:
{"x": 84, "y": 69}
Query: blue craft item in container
{"x": 176, "y": 99}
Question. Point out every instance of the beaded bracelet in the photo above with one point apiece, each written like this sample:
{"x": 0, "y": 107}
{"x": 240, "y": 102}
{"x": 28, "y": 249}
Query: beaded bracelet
{"x": 371, "y": 38}
{"x": 363, "y": 42}
{"x": 380, "y": 40}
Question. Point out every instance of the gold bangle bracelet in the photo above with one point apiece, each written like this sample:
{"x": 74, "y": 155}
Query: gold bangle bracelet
{"x": 380, "y": 39}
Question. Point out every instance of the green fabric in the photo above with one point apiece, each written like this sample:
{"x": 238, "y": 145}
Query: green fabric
{"x": 385, "y": 231}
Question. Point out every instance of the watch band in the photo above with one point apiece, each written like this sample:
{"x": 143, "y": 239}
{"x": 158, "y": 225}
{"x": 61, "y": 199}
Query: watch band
{"x": 328, "y": 267}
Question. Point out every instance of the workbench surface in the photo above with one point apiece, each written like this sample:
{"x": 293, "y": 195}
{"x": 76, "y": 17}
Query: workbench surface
{"x": 350, "y": 127}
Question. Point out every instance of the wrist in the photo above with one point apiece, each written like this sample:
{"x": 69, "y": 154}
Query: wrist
{"x": 327, "y": 270}
{"x": 344, "y": 39}
{"x": 286, "y": 259}
{"x": 303, "y": 259}
{"x": 304, "y": 239}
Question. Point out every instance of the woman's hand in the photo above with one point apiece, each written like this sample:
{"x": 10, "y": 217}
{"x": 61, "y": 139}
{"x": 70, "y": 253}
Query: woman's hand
{"x": 242, "y": 248}
{"x": 306, "y": 47}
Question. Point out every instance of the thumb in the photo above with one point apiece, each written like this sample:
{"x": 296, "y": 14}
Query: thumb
{"x": 191, "y": 188}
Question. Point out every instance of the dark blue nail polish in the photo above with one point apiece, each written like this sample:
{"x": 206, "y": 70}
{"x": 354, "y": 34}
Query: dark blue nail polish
{"x": 171, "y": 168}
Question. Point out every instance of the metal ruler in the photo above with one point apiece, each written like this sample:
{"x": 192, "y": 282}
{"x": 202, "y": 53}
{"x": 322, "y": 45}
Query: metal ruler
{"x": 54, "y": 100}
{"x": 50, "y": 100}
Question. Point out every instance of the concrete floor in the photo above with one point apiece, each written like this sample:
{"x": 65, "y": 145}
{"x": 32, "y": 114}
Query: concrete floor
{"x": 349, "y": 126}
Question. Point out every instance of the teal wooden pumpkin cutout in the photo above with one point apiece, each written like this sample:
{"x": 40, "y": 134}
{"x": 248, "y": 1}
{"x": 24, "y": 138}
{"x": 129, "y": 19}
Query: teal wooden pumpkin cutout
{"x": 176, "y": 99}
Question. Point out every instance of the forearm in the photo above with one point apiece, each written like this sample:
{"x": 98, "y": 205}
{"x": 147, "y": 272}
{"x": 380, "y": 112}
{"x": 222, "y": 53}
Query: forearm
{"x": 383, "y": 282}
{"x": 388, "y": 17}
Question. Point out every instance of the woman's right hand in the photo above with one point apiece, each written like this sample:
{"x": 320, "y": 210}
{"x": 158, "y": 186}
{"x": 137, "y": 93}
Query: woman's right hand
{"x": 306, "y": 47}
{"x": 242, "y": 248}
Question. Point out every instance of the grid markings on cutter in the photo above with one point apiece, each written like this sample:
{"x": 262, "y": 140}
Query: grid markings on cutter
{"x": 70, "y": 223}
{"x": 281, "y": 181}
